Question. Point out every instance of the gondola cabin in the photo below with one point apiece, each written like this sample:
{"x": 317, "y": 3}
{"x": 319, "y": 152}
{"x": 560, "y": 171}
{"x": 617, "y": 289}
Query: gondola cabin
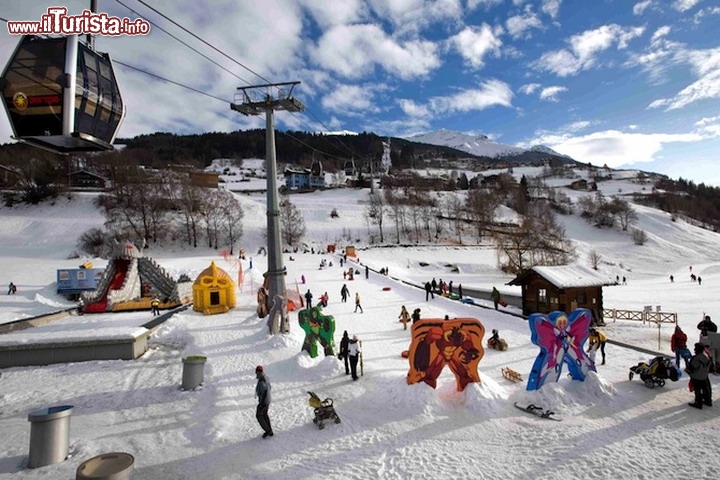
{"x": 62, "y": 96}
{"x": 349, "y": 168}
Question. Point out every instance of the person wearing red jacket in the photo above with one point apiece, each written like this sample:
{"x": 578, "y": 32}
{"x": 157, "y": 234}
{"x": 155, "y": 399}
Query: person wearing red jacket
{"x": 678, "y": 344}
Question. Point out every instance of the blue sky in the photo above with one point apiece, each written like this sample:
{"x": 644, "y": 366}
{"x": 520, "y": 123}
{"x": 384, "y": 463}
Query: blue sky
{"x": 616, "y": 82}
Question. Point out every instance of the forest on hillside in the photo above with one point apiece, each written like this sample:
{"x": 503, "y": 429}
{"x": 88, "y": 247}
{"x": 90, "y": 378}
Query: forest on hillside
{"x": 38, "y": 174}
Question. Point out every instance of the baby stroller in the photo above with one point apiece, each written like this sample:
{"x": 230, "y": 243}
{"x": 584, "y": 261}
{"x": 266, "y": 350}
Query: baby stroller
{"x": 324, "y": 410}
{"x": 656, "y": 372}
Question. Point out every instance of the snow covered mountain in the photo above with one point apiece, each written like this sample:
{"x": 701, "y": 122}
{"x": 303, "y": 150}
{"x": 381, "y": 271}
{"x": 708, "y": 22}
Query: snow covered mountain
{"x": 479, "y": 145}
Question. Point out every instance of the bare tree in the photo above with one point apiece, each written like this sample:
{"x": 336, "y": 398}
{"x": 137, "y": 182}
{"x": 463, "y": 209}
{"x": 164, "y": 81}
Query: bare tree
{"x": 212, "y": 216}
{"x": 375, "y": 213}
{"x": 481, "y": 206}
{"x": 624, "y": 213}
{"x": 538, "y": 240}
{"x": 231, "y": 214}
{"x": 639, "y": 236}
{"x": 595, "y": 258}
{"x": 453, "y": 207}
{"x": 292, "y": 223}
{"x": 138, "y": 202}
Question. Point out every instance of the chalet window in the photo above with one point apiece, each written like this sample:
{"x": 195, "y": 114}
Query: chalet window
{"x": 542, "y": 295}
{"x": 554, "y": 301}
{"x": 581, "y": 298}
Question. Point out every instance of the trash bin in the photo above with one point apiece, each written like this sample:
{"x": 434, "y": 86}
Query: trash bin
{"x": 49, "y": 435}
{"x": 193, "y": 371}
{"x": 108, "y": 466}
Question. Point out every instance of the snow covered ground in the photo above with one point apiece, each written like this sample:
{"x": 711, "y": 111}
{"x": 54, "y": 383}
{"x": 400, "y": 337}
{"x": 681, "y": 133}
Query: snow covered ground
{"x": 612, "y": 427}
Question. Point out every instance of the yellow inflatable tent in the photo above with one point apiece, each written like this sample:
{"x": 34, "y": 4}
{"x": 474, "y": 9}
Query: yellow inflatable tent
{"x": 213, "y": 291}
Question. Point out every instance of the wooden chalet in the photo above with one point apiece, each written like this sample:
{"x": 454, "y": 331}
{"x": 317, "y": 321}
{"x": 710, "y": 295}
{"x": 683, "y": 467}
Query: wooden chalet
{"x": 564, "y": 288}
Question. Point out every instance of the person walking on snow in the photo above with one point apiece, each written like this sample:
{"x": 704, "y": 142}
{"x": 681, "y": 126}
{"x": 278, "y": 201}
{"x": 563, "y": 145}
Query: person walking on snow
{"x": 495, "y": 297}
{"x": 698, "y": 369}
{"x": 344, "y": 343}
{"x": 155, "y": 305}
{"x": 357, "y": 302}
{"x": 678, "y": 345}
{"x": 308, "y": 299}
{"x": 416, "y": 315}
{"x": 344, "y": 293}
{"x": 12, "y": 288}
{"x": 597, "y": 340}
{"x": 404, "y": 317}
{"x": 262, "y": 391}
{"x": 428, "y": 291}
{"x": 367, "y": 272}
{"x": 354, "y": 354}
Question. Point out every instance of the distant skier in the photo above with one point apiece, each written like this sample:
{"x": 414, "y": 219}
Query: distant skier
{"x": 357, "y": 302}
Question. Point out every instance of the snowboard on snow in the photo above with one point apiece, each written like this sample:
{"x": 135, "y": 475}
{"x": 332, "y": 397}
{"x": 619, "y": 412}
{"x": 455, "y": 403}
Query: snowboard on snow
{"x": 538, "y": 412}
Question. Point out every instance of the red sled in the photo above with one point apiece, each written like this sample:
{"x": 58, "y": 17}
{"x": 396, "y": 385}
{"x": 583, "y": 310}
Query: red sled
{"x": 502, "y": 302}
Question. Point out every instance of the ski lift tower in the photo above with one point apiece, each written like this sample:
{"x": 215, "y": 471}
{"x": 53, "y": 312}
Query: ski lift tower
{"x": 253, "y": 100}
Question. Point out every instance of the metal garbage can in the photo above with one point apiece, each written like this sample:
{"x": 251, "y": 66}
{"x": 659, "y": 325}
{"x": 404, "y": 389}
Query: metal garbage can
{"x": 49, "y": 435}
{"x": 193, "y": 371}
{"x": 108, "y": 466}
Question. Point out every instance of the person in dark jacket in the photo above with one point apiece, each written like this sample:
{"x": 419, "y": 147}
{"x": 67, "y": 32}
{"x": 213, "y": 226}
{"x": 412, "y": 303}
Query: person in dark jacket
{"x": 428, "y": 291}
{"x": 308, "y": 299}
{"x": 706, "y": 325}
{"x": 495, "y": 297}
{"x": 262, "y": 391}
{"x": 344, "y": 293}
{"x": 344, "y": 351}
{"x": 698, "y": 369}
{"x": 354, "y": 354}
{"x": 416, "y": 315}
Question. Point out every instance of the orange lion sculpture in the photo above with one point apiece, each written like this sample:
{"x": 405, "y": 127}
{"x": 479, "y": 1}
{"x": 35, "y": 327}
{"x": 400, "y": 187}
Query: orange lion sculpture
{"x": 436, "y": 342}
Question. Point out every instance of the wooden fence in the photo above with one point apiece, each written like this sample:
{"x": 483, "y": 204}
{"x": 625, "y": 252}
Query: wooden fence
{"x": 640, "y": 316}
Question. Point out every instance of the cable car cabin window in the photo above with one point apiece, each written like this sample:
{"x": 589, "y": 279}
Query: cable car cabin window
{"x": 32, "y": 91}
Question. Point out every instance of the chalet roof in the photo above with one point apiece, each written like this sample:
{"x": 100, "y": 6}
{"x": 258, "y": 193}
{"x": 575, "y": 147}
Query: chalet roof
{"x": 565, "y": 276}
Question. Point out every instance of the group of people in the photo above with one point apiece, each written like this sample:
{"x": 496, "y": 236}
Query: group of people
{"x": 350, "y": 353}
{"x": 441, "y": 288}
{"x": 697, "y": 364}
{"x": 12, "y": 289}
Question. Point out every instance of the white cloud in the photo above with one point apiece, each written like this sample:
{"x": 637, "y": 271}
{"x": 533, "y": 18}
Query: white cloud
{"x": 413, "y": 109}
{"x": 351, "y": 98}
{"x": 701, "y": 14}
{"x": 612, "y": 147}
{"x": 339, "y": 50}
{"x": 640, "y": 7}
{"x": 474, "y": 43}
{"x": 551, "y": 93}
{"x": 551, "y": 7}
{"x": 518, "y": 26}
{"x": 684, "y": 5}
{"x": 491, "y": 92}
{"x": 473, "y": 4}
{"x": 413, "y": 15}
{"x": 584, "y": 49}
{"x": 331, "y": 12}
{"x": 529, "y": 88}
{"x": 660, "y": 33}
{"x": 706, "y": 65}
